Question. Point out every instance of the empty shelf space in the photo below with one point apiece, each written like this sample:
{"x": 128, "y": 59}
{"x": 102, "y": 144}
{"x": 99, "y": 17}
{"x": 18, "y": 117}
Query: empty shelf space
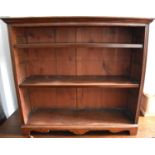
{"x": 81, "y": 81}
{"x": 107, "y": 117}
{"x": 95, "y": 45}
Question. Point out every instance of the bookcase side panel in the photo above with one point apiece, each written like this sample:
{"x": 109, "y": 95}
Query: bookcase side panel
{"x": 19, "y": 71}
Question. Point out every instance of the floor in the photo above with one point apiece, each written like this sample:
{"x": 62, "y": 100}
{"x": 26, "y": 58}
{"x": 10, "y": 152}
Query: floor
{"x": 11, "y": 129}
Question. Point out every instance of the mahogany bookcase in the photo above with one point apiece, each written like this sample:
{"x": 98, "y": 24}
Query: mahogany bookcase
{"x": 79, "y": 74}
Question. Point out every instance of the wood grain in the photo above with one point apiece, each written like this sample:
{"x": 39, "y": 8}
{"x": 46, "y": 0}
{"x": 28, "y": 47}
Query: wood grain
{"x": 53, "y": 98}
{"x": 12, "y": 129}
{"x": 80, "y": 65}
{"x": 81, "y": 81}
{"x": 100, "y": 98}
{"x": 87, "y": 45}
{"x": 78, "y": 118}
{"x": 77, "y": 21}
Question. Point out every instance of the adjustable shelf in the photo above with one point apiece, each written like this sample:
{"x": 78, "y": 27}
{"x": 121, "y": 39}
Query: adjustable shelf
{"x": 80, "y": 81}
{"x": 95, "y": 45}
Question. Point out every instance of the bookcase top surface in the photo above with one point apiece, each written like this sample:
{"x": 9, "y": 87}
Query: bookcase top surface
{"x": 76, "y": 19}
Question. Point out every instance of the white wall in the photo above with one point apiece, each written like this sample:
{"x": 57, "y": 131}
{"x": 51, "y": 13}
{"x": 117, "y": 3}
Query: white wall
{"x": 7, "y": 89}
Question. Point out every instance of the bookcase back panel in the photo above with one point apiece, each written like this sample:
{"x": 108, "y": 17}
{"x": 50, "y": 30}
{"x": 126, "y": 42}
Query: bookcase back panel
{"x": 51, "y": 61}
{"x": 98, "y": 98}
{"x": 74, "y": 61}
{"x": 104, "y": 61}
{"x": 66, "y": 61}
{"x": 79, "y": 34}
{"x": 56, "y": 98}
{"x": 78, "y": 98}
{"x": 106, "y": 34}
{"x": 65, "y": 34}
{"x": 45, "y": 34}
{"x": 38, "y": 35}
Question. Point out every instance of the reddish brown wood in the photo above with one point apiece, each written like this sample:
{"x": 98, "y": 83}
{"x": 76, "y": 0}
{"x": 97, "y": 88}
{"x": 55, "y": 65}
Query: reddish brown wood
{"x": 88, "y": 45}
{"x": 99, "y": 98}
{"x": 53, "y": 98}
{"x": 79, "y": 131}
{"x": 77, "y": 21}
{"x": 88, "y": 71}
{"x": 26, "y": 132}
{"x": 143, "y": 68}
{"x": 79, "y": 122}
{"x": 17, "y": 75}
{"x": 11, "y": 129}
{"x": 133, "y": 131}
{"x": 105, "y": 61}
{"x": 78, "y": 118}
{"x": 82, "y": 81}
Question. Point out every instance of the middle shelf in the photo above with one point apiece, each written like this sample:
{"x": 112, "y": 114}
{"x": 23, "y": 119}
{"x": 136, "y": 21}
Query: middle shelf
{"x": 79, "y": 81}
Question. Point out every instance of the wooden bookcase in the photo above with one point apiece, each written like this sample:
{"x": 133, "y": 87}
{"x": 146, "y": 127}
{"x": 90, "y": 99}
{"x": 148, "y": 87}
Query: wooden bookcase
{"x": 79, "y": 73}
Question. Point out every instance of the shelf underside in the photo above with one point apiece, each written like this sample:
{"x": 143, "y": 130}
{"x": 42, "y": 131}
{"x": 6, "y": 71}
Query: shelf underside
{"x": 105, "y": 117}
{"x": 95, "y": 45}
{"x": 73, "y": 81}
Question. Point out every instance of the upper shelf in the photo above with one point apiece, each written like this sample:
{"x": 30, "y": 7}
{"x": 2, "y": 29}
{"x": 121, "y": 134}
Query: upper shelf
{"x": 96, "y": 45}
{"x": 81, "y": 81}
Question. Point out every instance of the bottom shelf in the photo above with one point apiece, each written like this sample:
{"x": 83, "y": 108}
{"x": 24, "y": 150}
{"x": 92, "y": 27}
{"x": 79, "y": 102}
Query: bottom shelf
{"x": 78, "y": 118}
{"x": 79, "y": 122}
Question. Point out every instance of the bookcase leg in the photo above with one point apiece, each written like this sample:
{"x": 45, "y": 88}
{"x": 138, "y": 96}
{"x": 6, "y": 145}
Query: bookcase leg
{"x": 79, "y": 131}
{"x": 26, "y": 133}
{"x": 133, "y": 131}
